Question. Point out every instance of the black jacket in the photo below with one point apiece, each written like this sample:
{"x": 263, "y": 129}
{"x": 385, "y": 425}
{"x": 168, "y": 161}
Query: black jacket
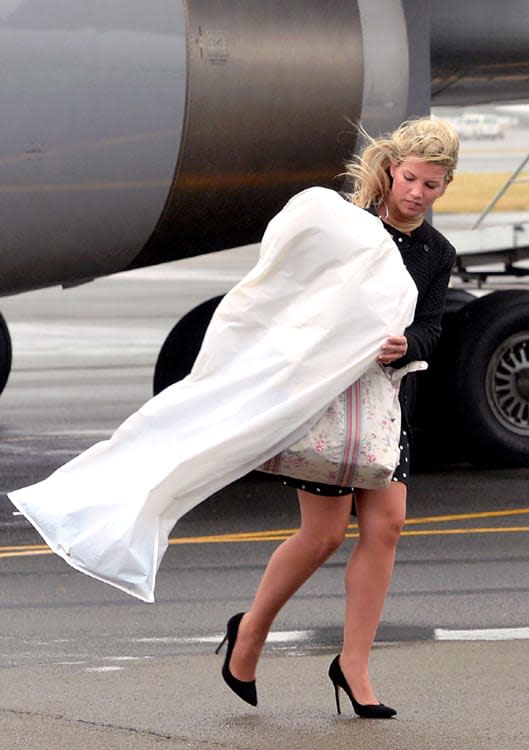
{"x": 429, "y": 258}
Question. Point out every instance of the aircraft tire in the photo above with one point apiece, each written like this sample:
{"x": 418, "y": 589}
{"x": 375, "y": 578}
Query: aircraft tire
{"x": 487, "y": 379}
{"x": 6, "y": 353}
{"x": 456, "y": 299}
{"x": 181, "y": 347}
{"x": 431, "y": 419}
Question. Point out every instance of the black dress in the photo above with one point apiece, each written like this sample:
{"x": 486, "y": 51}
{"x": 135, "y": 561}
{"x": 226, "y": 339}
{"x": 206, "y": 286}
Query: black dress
{"x": 429, "y": 258}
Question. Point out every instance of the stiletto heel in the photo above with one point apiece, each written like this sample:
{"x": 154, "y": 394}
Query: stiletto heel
{"x": 337, "y": 696}
{"x": 366, "y": 711}
{"x": 245, "y": 690}
{"x": 221, "y": 644}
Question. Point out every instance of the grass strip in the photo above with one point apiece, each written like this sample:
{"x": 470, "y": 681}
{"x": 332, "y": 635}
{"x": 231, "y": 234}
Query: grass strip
{"x": 470, "y": 192}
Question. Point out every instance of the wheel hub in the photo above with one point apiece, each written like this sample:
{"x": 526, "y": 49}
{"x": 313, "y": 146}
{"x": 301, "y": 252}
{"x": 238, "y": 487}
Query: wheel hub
{"x": 522, "y": 383}
{"x": 508, "y": 383}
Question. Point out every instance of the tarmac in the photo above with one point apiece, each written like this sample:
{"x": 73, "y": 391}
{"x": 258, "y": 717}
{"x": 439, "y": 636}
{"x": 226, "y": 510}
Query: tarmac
{"x": 449, "y": 696}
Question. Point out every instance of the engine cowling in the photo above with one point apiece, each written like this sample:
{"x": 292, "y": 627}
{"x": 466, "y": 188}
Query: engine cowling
{"x": 145, "y": 133}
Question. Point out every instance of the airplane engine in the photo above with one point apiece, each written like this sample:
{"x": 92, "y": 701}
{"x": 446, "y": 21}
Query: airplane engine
{"x": 137, "y": 133}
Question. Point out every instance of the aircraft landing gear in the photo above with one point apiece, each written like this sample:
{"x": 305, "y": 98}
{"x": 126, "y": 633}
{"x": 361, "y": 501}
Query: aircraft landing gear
{"x": 475, "y": 406}
{"x": 182, "y": 345}
{"x": 489, "y": 386}
{"x": 6, "y": 354}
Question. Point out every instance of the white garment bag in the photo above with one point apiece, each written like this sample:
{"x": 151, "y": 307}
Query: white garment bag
{"x": 328, "y": 289}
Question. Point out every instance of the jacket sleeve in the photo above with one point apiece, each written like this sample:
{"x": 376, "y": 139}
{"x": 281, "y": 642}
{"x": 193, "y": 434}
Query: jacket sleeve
{"x": 425, "y": 331}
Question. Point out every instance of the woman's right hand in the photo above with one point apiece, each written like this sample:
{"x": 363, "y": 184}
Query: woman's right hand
{"x": 394, "y": 348}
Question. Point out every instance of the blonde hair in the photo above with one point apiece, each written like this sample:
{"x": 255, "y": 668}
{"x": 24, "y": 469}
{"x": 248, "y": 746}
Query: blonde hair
{"x": 433, "y": 141}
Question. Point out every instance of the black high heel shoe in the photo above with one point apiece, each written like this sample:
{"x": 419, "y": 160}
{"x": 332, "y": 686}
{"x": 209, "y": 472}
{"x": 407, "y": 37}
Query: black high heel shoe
{"x": 366, "y": 711}
{"x": 245, "y": 690}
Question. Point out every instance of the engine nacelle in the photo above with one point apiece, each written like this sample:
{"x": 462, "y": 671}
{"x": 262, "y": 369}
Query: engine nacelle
{"x": 138, "y": 133}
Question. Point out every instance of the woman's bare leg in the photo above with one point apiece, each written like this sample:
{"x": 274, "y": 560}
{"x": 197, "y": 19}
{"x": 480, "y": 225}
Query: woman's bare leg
{"x": 381, "y": 515}
{"x": 324, "y": 521}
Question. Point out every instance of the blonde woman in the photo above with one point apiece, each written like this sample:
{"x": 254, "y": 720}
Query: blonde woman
{"x": 398, "y": 177}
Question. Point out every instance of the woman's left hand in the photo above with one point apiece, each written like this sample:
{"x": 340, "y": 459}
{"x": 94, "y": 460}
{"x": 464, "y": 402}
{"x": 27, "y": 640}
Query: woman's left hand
{"x": 394, "y": 348}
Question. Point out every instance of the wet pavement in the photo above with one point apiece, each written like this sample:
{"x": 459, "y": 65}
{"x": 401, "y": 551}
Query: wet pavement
{"x": 449, "y": 696}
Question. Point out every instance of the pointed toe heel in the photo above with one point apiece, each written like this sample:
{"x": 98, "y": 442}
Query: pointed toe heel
{"x": 366, "y": 711}
{"x": 245, "y": 690}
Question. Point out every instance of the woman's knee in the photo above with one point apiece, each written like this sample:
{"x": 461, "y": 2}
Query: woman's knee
{"x": 331, "y": 541}
{"x": 392, "y": 526}
{"x": 324, "y": 523}
{"x": 387, "y": 527}
{"x": 323, "y": 542}
{"x": 382, "y": 514}
{"x": 384, "y": 527}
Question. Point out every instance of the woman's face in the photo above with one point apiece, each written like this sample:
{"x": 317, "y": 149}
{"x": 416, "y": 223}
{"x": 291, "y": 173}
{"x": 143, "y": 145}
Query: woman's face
{"x": 416, "y": 186}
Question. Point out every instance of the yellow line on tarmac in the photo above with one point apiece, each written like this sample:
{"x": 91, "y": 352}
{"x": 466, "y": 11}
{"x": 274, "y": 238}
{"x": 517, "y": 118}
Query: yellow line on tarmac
{"x": 278, "y": 535}
{"x": 25, "y": 551}
{"x": 17, "y": 547}
{"x": 477, "y": 530}
{"x": 282, "y": 534}
{"x": 467, "y": 516}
